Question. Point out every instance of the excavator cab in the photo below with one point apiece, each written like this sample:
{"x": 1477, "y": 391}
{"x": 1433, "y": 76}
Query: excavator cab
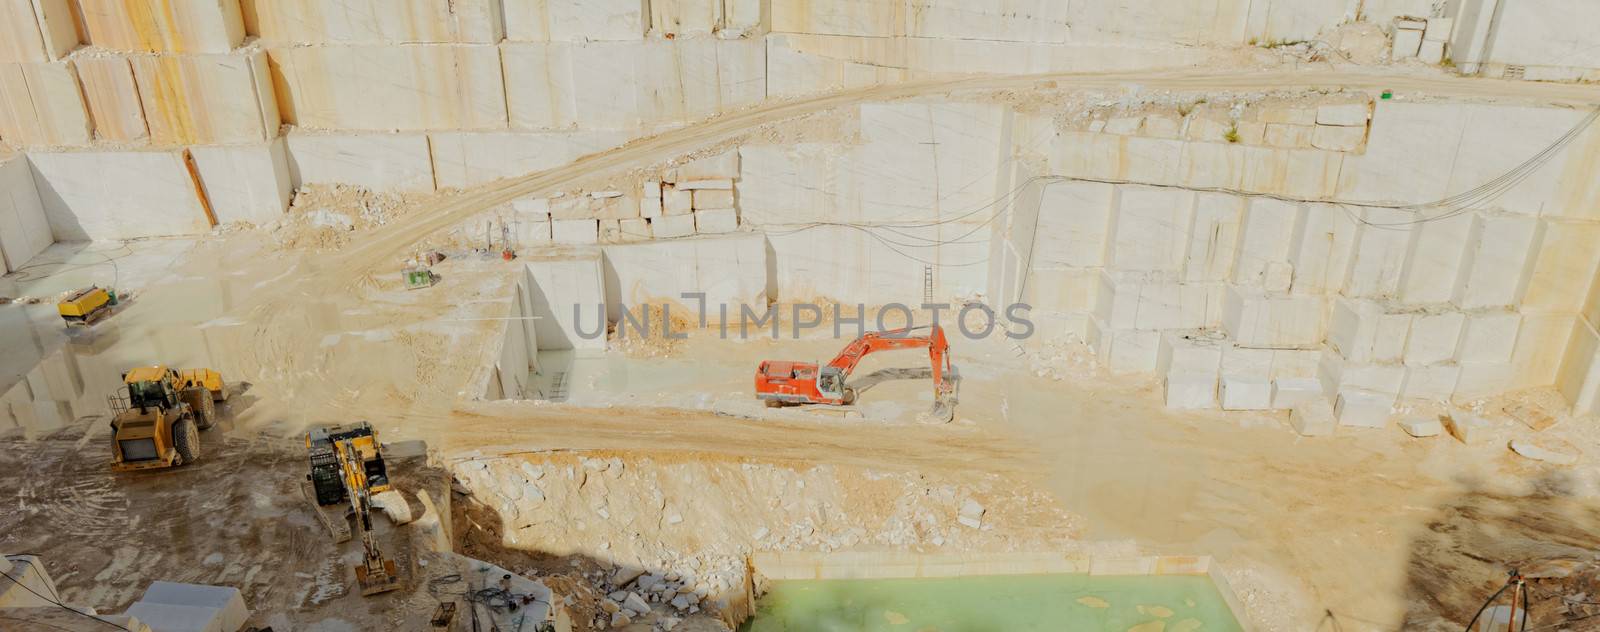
{"x": 830, "y": 383}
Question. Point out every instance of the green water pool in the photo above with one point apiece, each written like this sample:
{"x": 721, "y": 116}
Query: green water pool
{"x": 1009, "y": 603}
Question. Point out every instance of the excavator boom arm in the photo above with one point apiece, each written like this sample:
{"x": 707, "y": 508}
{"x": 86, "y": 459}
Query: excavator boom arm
{"x": 938, "y": 350}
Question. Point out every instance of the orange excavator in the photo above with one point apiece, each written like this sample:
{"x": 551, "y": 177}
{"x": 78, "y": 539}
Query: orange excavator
{"x": 781, "y": 382}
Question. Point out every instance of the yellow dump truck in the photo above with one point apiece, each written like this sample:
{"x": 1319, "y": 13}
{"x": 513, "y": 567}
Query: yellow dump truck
{"x": 83, "y": 307}
{"x": 158, "y": 414}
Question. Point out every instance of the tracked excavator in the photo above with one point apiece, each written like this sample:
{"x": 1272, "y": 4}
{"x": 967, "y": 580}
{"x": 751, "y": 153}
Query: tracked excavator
{"x": 781, "y": 382}
{"x": 347, "y": 464}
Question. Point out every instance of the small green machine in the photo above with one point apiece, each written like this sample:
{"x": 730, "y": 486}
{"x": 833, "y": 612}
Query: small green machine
{"x": 419, "y": 277}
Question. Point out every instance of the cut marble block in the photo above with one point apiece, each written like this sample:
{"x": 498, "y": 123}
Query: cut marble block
{"x": 1124, "y": 350}
{"x": 1363, "y": 409}
{"x": 1256, "y": 319}
{"x": 1191, "y": 390}
{"x": 575, "y": 231}
{"x": 670, "y": 226}
{"x": 1313, "y": 418}
{"x": 716, "y": 221}
{"x": 1245, "y": 393}
{"x": 1288, "y": 392}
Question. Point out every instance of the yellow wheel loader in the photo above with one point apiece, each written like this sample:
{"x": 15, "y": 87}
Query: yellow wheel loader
{"x": 158, "y": 414}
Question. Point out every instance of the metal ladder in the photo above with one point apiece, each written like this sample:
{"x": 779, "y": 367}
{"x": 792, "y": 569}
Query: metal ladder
{"x": 558, "y": 387}
{"x": 927, "y": 285}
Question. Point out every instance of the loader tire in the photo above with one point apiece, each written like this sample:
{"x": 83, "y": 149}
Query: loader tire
{"x": 186, "y": 440}
{"x": 849, "y": 397}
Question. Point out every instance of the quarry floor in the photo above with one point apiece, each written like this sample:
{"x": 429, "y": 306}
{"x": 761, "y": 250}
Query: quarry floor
{"x": 1361, "y": 531}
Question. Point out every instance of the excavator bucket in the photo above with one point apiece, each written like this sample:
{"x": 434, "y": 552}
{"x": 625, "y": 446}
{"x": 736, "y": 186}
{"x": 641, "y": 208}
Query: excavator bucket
{"x": 943, "y": 411}
{"x": 944, "y": 402}
{"x": 381, "y": 578}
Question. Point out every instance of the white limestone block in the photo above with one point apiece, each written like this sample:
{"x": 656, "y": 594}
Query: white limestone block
{"x": 730, "y": 269}
{"x": 1434, "y": 382}
{"x": 1439, "y": 29}
{"x": 531, "y": 230}
{"x": 716, "y": 221}
{"x": 1501, "y": 252}
{"x": 670, "y": 226}
{"x": 1313, "y": 418}
{"x": 103, "y": 195}
{"x": 1380, "y": 253}
{"x": 1190, "y": 390}
{"x": 112, "y": 97}
{"x": 1124, "y": 350}
{"x": 1266, "y": 235}
{"x": 1245, "y": 393}
{"x": 1150, "y": 228}
{"x": 406, "y": 88}
{"x": 36, "y": 31}
{"x": 41, "y": 105}
{"x": 1288, "y": 363}
{"x": 1363, "y": 409}
{"x": 610, "y": 231}
{"x": 1073, "y": 220}
{"x": 1131, "y": 300}
{"x": 380, "y": 162}
{"x": 1433, "y": 268}
{"x": 1410, "y": 24}
{"x": 1334, "y": 138}
{"x": 1423, "y": 427}
{"x": 245, "y": 183}
{"x": 1431, "y": 52}
{"x": 575, "y": 20}
{"x": 1338, "y": 376}
{"x": 1214, "y": 240}
{"x": 651, "y": 207}
{"x": 1344, "y": 114}
{"x": 1434, "y": 338}
{"x": 1287, "y": 115}
{"x": 1284, "y": 135}
{"x": 637, "y": 229}
{"x": 1407, "y": 43}
{"x": 1578, "y": 378}
{"x": 575, "y": 231}
{"x": 1191, "y": 354}
{"x": 183, "y": 27}
{"x": 1411, "y": 154}
{"x": 24, "y": 226}
{"x": 1247, "y": 363}
{"x": 207, "y": 98}
{"x": 1256, "y": 319}
{"x": 1321, "y": 251}
{"x": 1364, "y": 331}
{"x": 1489, "y": 337}
{"x": 1467, "y": 427}
{"x": 1531, "y": 450}
{"x": 714, "y": 184}
{"x": 1278, "y": 277}
{"x": 1564, "y": 269}
{"x": 677, "y": 201}
{"x": 708, "y": 199}
{"x": 531, "y": 207}
{"x": 229, "y": 611}
{"x": 1290, "y": 392}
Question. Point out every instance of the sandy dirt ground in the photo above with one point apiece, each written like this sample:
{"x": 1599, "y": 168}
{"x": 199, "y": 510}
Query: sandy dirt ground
{"x": 1363, "y": 531}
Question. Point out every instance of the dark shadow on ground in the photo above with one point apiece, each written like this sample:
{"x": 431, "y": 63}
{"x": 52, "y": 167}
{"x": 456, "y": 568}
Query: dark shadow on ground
{"x": 1463, "y": 555}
